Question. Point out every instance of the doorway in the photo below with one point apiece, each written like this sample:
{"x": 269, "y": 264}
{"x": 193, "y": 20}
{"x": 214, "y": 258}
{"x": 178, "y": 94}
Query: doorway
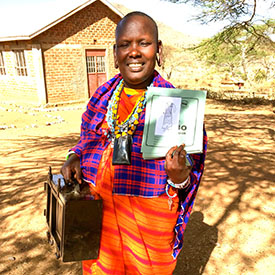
{"x": 96, "y": 69}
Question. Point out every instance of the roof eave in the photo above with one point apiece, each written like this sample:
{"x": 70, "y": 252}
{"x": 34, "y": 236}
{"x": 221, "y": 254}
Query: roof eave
{"x": 36, "y": 33}
{"x": 114, "y": 9}
{"x": 14, "y": 38}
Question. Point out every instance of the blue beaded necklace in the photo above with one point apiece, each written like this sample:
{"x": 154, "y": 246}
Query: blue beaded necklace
{"x": 129, "y": 125}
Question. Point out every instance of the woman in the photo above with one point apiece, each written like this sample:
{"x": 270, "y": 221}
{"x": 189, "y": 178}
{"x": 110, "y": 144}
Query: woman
{"x": 144, "y": 217}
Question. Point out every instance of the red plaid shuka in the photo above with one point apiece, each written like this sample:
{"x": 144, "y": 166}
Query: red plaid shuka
{"x": 144, "y": 178}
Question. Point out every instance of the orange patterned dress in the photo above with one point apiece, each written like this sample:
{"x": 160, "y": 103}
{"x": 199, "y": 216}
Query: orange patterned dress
{"x": 137, "y": 233}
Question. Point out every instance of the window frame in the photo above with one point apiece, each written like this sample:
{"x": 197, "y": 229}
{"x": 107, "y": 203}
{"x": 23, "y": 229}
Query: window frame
{"x": 3, "y": 70}
{"x": 101, "y": 64}
{"x": 20, "y": 63}
{"x": 96, "y": 64}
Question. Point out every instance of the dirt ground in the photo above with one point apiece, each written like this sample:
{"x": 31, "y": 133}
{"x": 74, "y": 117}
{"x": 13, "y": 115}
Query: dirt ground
{"x": 231, "y": 230}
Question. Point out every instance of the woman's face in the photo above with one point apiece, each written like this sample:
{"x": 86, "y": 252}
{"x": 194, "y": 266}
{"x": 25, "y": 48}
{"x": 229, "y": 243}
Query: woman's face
{"x": 135, "y": 51}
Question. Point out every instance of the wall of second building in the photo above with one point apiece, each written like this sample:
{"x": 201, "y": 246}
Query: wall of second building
{"x": 64, "y": 48}
{"x": 24, "y": 88}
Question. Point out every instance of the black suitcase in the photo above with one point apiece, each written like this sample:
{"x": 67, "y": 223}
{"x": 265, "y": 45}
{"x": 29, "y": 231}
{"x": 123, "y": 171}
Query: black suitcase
{"x": 74, "y": 219}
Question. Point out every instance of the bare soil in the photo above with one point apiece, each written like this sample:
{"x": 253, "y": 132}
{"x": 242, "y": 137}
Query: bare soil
{"x": 231, "y": 230}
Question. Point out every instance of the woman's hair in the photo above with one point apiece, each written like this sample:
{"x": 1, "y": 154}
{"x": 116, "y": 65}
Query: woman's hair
{"x": 135, "y": 13}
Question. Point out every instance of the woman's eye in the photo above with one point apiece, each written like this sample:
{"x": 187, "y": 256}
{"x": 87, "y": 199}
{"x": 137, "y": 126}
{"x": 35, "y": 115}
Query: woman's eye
{"x": 144, "y": 43}
{"x": 124, "y": 45}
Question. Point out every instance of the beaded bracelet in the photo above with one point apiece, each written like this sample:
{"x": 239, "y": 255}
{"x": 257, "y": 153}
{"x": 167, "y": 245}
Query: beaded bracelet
{"x": 69, "y": 153}
{"x": 167, "y": 192}
{"x": 181, "y": 185}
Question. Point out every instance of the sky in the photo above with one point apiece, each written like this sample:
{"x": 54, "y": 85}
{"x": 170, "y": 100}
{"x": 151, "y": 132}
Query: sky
{"x": 175, "y": 15}
{"x": 179, "y": 16}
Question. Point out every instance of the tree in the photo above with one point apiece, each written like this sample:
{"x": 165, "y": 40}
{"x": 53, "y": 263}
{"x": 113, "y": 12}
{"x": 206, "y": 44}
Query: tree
{"x": 173, "y": 60}
{"x": 246, "y": 37}
{"x": 241, "y": 15}
{"x": 242, "y": 53}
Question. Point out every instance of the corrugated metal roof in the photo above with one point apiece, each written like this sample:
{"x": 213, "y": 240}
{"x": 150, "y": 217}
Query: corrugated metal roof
{"x": 23, "y": 22}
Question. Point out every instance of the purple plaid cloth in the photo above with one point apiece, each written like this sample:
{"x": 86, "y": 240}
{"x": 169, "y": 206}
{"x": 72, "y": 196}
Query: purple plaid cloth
{"x": 145, "y": 178}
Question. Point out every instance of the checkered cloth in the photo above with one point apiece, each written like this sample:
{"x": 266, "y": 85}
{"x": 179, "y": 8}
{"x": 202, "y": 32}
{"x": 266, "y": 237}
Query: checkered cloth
{"x": 145, "y": 178}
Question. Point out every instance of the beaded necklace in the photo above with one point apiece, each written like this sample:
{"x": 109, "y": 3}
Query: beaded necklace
{"x": 127, "y": 127}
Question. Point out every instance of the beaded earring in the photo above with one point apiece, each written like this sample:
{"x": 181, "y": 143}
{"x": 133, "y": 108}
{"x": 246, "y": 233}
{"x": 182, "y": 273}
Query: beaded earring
{"x": 158, "y": 60}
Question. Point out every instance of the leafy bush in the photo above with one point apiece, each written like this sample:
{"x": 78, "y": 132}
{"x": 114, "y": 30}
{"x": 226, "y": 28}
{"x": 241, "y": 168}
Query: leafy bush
{"x": 260, "y": 75}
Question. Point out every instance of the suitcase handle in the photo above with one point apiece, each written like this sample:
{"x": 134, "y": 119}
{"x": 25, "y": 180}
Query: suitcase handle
{"x": 74, "y": 186}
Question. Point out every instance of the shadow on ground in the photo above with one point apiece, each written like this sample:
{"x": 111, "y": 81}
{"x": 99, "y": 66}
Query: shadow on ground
{"x": 24, "y": 248}
{"x": 199, "y": 241}
{"x": 237, "y": 182}
{"x": 237, "y": 159}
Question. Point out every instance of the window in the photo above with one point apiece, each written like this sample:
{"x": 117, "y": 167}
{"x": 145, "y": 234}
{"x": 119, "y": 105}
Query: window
{"x": 2, "y": 64}
{"x": 100, "y": 64}
{"x": 20, "y": 63}
{"x": 91, "y": 64}
{"x": 96, "y": 64}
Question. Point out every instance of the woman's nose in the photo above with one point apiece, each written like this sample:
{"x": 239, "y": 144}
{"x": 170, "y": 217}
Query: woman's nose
{"x": 134, "y": 50}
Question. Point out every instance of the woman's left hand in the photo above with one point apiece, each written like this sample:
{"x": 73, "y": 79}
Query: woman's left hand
{"x": 175, "y": 164}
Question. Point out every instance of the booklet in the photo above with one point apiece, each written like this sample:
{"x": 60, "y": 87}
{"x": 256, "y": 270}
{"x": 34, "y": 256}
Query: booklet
{"x": 173, "y": 116}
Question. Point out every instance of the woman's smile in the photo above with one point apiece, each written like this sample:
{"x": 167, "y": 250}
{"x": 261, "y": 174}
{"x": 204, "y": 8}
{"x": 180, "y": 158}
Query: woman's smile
{"x": 136, "y": 67}
{"x": 135, "y": 52}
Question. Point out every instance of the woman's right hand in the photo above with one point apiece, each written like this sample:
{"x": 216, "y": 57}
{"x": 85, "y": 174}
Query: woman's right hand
{"x": 71, "y": 169}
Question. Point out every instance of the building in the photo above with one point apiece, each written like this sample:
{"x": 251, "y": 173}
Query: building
{"x": 232, "y": 83}
{"x": 62, "y": 61}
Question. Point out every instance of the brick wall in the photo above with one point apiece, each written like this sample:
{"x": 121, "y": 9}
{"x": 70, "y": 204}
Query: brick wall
{"x": 64, "y": 48}
{"x": 13, "y": 87}
{"x": 63, "y": 52}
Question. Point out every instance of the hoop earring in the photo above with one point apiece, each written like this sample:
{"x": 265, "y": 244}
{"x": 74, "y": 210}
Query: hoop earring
{"x": 158, "y": 59}
{"x": 116, "y": 65}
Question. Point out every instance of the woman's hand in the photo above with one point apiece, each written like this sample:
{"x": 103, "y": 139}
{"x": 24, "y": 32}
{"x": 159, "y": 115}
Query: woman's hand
{"x": 175, "y": 164}
{"x": 71, "y": 169}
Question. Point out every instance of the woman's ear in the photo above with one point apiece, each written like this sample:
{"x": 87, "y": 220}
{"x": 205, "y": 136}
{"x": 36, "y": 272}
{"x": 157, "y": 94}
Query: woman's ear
{"x": 159, "y": 54}
{"x": 115, "y": 57}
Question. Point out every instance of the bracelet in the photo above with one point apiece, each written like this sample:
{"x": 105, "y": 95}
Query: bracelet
{"x": 69, "y": 153}
{"x": 181, "y": 185}
{"x": 167, "y": 192}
